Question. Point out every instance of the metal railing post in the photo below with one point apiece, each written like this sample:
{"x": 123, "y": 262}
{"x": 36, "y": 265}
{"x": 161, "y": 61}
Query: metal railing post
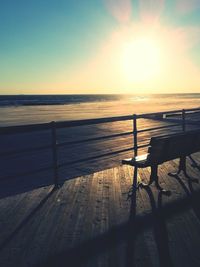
{"x": 183, "y": 120}
{"x": 54, "y": 150}
{"x": 135, "y": 134}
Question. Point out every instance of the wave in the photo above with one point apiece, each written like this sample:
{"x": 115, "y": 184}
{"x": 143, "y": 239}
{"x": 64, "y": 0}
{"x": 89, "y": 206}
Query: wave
{"x": 37, "y": 100}
{"x": 41, "y": 100}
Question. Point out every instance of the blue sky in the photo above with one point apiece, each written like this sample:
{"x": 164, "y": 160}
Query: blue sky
{"x": 51, "y": 29}
{"x": 42, "y": 39}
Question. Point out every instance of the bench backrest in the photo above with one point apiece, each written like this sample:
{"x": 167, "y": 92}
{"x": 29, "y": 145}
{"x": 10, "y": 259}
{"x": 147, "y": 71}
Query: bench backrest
{"x": 173, "y": 146}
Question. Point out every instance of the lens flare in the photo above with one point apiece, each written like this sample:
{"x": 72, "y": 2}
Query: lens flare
{"x": 121, "y": 10}
{"x": 141, "y": 59}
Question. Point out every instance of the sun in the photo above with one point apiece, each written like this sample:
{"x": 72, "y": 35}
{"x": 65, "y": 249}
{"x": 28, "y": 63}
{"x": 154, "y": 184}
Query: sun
{"x": 141, "y": 59}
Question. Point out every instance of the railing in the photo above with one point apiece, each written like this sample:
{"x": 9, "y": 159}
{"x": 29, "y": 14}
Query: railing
{"x": 174, "y": 118}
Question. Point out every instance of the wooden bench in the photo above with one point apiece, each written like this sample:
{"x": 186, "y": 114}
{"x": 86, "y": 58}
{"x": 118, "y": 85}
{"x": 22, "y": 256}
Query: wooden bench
{"x": 166, "y": 148}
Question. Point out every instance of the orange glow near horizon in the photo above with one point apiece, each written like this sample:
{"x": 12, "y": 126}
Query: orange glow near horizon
{"x": 135, "y": 58}
{"x": 139, "y": 59}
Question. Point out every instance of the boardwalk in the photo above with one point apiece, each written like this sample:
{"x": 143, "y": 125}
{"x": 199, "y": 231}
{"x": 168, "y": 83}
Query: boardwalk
{"x": 95, "y": 221}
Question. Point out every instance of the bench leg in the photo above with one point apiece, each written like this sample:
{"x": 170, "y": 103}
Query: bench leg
{"x": 194, "y": 164}
{"x": 182, "y": 168}
{"x": 154, "y": 178}
{"x": 135, "y": 186}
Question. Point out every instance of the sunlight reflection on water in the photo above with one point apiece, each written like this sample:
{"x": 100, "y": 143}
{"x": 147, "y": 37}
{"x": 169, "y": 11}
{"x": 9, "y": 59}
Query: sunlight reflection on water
{"x": 139, "y": 98}
{"x": 120, "y": 105}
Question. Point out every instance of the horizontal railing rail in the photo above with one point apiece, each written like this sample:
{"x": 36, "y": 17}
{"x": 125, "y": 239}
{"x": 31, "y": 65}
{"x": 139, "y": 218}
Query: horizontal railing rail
{"x": 179, "y": 121}
{"x": 178, "y": 111}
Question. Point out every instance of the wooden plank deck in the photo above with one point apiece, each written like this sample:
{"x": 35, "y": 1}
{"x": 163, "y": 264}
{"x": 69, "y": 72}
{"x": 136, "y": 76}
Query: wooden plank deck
{"x": 95, "y": 220}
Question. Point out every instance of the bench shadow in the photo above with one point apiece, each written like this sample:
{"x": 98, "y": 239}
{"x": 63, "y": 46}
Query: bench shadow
{"x": 192, "y": 195}
{"x": 194, "y": 200}
{"x": 130, "y": 242}
{"x": 160, "y": 229}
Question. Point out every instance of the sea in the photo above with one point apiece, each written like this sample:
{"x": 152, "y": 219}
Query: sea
{"x": 30, "y": 109}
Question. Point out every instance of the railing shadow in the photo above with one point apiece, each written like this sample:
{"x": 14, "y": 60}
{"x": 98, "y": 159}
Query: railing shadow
{"x": 26, "y": 183}
{"x": 81, "y": 253}
{"x": 41, "y": 177}
{"x": 27, "y": 219}
{"x": 125, "y": 233}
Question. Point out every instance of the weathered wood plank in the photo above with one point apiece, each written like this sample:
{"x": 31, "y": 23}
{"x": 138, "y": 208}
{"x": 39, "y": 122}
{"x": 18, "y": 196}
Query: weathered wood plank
{"x": 90, "y": 222}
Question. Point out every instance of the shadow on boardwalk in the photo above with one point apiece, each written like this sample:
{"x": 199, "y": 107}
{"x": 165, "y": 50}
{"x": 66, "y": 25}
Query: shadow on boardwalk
{"x": 160, "y": 230}
{"x": 126, "y": 233}
{"x": 27, "y": 219}
{"x": 193, "y": 197}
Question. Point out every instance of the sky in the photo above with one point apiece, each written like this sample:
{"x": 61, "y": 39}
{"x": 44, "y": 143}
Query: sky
{"x": 99, "y": 46}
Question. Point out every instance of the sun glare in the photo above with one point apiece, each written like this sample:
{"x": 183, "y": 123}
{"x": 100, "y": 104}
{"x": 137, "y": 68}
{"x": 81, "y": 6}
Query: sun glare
{"x": 141, "y": 59}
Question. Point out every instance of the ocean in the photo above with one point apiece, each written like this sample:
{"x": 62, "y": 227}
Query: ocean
{"x": 28, "y": 109}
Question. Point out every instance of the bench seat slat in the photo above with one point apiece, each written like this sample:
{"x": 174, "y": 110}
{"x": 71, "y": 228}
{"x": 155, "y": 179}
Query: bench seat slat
{"x": 138, "y": 161}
